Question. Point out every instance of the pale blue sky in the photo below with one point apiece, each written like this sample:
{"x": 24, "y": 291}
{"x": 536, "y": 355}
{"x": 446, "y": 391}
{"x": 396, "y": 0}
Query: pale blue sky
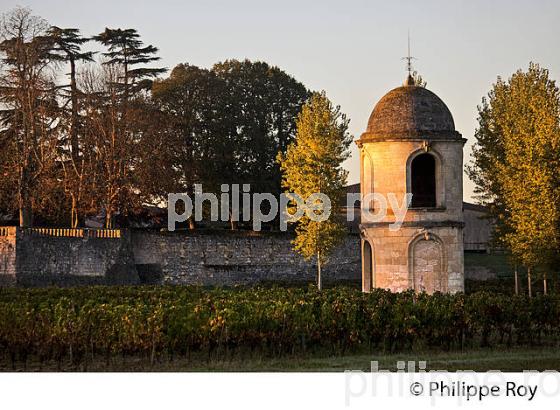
{"x": 351, "y": 49}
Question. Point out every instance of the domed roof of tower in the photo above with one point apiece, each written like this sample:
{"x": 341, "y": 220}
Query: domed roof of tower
{"x": 410, "y": 111}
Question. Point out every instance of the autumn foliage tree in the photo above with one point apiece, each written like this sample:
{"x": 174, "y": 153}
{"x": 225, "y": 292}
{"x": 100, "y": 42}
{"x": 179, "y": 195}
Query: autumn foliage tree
{"x": 516, "y": 166}
{"x": 28, "y": 108}
{"x": 313, "y": 165}
{"x": 67, "y": 50}
{"x": 121, "y": 99}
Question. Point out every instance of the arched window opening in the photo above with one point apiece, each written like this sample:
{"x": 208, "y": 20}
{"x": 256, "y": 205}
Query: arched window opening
{"x": 423, "y": 181}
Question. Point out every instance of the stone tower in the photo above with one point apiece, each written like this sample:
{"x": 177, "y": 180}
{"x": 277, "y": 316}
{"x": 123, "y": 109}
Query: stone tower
{"x": 411, "y": 146}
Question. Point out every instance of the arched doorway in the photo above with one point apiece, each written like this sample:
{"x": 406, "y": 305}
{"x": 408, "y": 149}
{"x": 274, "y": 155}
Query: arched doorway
{"x": 423, "y": 181}
{"x": 367, "y": 267}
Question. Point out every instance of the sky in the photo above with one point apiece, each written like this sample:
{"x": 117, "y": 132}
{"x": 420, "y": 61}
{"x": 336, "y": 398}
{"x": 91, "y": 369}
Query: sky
{"x": 352, "y": 49}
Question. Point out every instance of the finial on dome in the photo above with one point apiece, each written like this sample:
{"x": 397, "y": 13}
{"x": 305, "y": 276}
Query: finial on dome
{"x": 409, "y": 82}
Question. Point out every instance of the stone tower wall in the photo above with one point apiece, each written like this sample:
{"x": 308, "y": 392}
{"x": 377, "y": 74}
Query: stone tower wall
{"x": 393, "y": 256}
{"x": 396, "y": 265}
{"x": 384, "y": 171}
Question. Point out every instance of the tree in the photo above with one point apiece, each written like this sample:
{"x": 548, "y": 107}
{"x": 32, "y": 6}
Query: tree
{"x": 199, "y": 130}
{"x": 229, "y": 123}
{"x": 264, "y": 103}
{"x": 121, "y": 101}
{"x": 28, "y": 131}
{"x": 126, "y": 50}
{"x": 8, "y": 201}
{"x": 516, "y": 166}
{"x": 67, "y": 49}
{"x": 313, "y": 164}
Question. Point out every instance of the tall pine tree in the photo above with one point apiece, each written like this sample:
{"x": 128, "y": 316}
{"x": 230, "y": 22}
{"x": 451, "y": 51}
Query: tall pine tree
{"x": 126, "y": 60}
{"x": 68, "y": 49}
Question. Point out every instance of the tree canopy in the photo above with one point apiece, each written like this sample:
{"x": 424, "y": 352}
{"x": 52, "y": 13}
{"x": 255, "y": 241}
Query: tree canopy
{"x": 516, "y": 165}
{"x": 90, "y": 128}
{"x": 313, "y": 165}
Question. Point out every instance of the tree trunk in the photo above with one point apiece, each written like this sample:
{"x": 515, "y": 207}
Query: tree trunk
{"x": 319, "y": 281}
{"x": 24, "y": 200}
{"x": 233, "y": 224}
{"x": 191, "y": 221}
{"x": 74, "y": 144}
{"x": 25, "y": 211}
{"x": 74, "y": 213}
{"x": 192, "y": 224}
{"x": 545, "y": 287}
{"x": 109, "y": 220}
{"x": 529, "y": 282}
{"x": 516, "y": 281}
{"x": 25, "y": 216}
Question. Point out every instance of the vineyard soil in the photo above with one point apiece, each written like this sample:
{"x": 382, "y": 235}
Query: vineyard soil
{"x": 511, "y": 360}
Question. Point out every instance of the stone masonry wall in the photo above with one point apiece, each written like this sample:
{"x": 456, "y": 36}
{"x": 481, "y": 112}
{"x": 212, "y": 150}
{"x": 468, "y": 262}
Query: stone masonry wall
{"x": 226, "y": 258}
{"x": 7, "y": 256}
{"x": 43, "y": 257}
{"x": 65, "y": 257}
{"x": 230, "y": 258}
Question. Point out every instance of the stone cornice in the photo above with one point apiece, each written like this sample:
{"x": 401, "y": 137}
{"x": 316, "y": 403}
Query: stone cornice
{"x": 447, "y": 136}
{"x": 416, "y": 224}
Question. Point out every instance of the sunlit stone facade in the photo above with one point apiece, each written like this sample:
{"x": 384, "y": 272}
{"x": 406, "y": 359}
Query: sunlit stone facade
{"x": 411, "y": 146}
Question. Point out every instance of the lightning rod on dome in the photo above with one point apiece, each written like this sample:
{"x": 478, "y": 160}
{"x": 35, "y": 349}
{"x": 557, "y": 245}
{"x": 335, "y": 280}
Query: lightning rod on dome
{"x": 409, "y": 58}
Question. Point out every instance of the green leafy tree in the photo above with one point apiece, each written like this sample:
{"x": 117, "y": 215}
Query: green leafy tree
{"x": 228, "y": 124}
{"x": 313, "y": 164}
{"x": 516, "y": 166}
{"x": 200, "y": 130}
{"x": 264, "y": 103}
